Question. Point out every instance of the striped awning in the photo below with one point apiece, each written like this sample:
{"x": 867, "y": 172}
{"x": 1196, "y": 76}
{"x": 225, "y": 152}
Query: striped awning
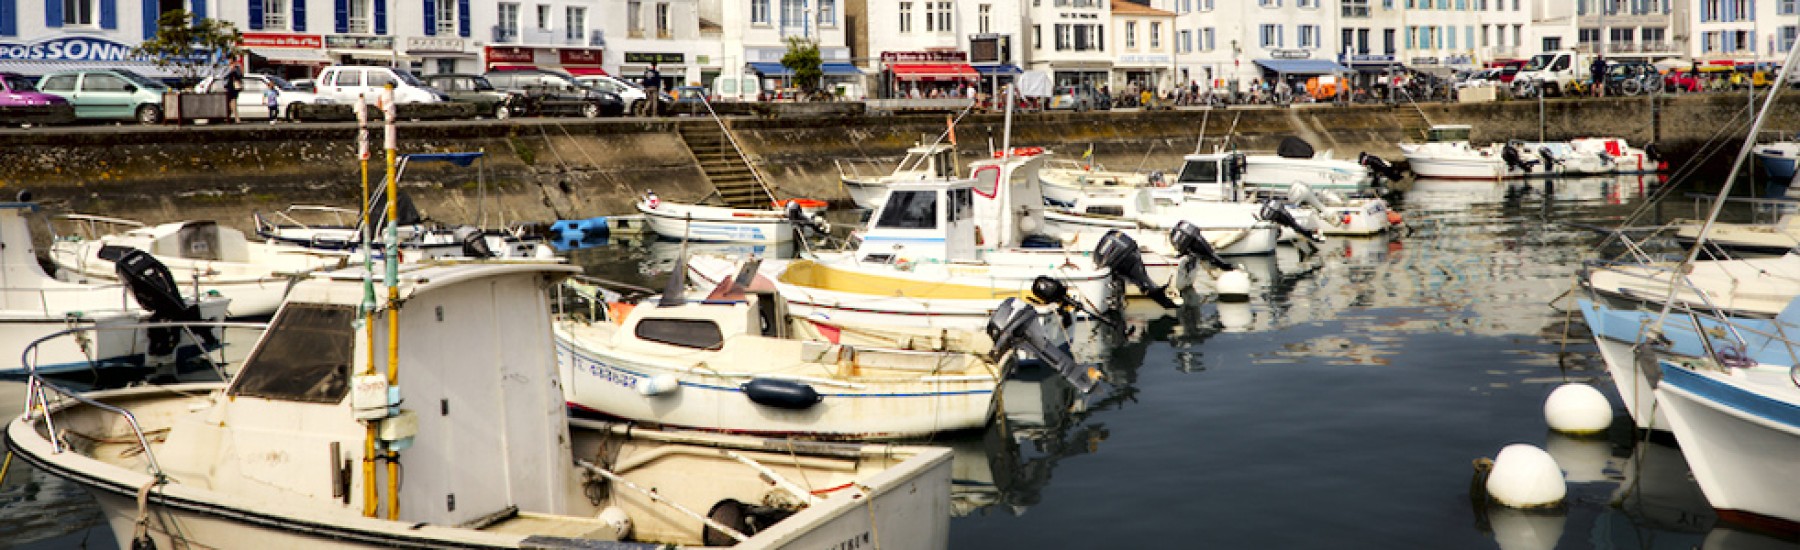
{"x": 933, "y": 71}
{"x": 291, "y": 55}
{"x": 146, "y": 68}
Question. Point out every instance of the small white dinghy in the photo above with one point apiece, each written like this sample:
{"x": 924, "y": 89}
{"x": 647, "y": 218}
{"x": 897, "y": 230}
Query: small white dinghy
{"x": 677, "y": 362}
{"x": 922, "y": 162}
{"x": 695, "y": 222}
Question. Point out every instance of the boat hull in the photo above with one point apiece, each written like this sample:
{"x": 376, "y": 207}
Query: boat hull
{"x": 709, "y": 224}
{"x": 1273, "y": 172}
{"x": 1739, "y": 432}
{"x": 1082, "y": 231}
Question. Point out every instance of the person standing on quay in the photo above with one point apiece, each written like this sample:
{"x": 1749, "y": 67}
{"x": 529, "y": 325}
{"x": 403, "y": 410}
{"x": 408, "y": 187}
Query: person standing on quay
{"x": 652, "y": 90}
{"x": 272, "y": 99}
{"x": 1597, "y": 72}
{"x": 234, "y": 83}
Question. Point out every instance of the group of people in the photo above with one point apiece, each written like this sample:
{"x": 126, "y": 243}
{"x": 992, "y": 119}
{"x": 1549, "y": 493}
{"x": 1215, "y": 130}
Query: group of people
{"x": 234, "y": 84}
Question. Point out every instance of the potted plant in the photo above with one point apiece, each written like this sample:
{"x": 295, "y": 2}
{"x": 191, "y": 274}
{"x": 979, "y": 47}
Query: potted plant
{"x": 194, "y": 48}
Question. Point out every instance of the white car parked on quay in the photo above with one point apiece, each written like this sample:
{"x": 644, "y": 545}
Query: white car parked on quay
{"x": 250, "y": 100}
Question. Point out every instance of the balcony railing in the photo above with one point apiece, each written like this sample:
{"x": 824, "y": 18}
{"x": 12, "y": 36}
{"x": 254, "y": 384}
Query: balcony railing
{"x": 541, "y": 36}
{"x": 1356, "y": 10}
{"x": 505, "y": 34}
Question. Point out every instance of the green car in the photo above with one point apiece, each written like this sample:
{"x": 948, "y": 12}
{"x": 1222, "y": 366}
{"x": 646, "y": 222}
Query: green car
{"x": 107, "y": 94}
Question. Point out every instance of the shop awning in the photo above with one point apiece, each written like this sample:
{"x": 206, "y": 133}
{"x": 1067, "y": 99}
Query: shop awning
{"x": 840, "y": 69}
{"x": 291, "y": 55}
{"x": 585, "y": 71}
{"x": 990, "y": 70}
{"x": 769, "y": 68}
{"x": 1301, "y": 66}
{"x": 506, "y": 67}
{"x": 934, "y": 71}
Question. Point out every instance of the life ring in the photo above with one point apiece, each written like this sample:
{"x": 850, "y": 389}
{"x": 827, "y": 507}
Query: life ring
{"x": 1021, "y": 152}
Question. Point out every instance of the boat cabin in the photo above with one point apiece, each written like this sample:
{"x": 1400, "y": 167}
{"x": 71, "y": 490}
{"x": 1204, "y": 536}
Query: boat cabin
{"x": 1448, "y": 133}
{"x": 934, "y": 161}
{"x": 1000, "y": 205}
{"x": 1214, "y": 176}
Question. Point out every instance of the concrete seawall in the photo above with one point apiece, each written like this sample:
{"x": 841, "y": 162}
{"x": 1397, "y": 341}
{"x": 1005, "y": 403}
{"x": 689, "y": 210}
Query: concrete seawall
{"x": 566, "y": 168}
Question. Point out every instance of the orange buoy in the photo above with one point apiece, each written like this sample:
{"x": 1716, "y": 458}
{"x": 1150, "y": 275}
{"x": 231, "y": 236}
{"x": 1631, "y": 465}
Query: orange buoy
{"x": 1393, "y": 217}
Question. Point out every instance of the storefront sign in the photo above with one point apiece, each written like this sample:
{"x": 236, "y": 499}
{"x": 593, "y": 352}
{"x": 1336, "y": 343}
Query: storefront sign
{"x": 1367, "y": 58}
{"x": 433, "y": 44}
{"x": 933, "y": 56}
{"x": 509, "y": 55}
{"x": 73, "y": 48}
{"x": 1144, "y": 59}
{"x": 646, "y": 57}
{"x": 581, "y": 57}
{"x": 990, "y": 48}
{"x": 283, "y": 40}
{"x": 1290, "y": 54}
{"x": 1424, "y": 61}
{"x": 348, "y": 42}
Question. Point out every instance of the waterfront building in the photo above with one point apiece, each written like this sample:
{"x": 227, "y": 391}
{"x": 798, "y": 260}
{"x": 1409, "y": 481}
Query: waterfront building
{"x": 1144, "y": 47}
{"x": 942, "y": 44}
{"x": 1739, "y": 30}
{"x": 755, "y": 32}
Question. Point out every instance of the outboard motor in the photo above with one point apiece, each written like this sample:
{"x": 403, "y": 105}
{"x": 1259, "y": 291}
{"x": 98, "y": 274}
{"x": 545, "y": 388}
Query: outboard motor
{"x": 1379, "y": 166}
{"x": 1015, "y": 326}
{"x": 474, "y": 243}
{"x": 1276, "y": 212}
{"x": 1117, "y": 251}
{"x": 1190, "y": 243}
{"x": 1046, "y": 290}
{"x": 814, "y": 225}
{"x": 155, "y": 289}
{"x": 1651, "y": 152}
{"x": 1549, "y": 159}
{"x": 1510, "y": 154}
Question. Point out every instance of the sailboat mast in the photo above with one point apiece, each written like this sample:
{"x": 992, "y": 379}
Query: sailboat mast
{"x": 391, "y": 256}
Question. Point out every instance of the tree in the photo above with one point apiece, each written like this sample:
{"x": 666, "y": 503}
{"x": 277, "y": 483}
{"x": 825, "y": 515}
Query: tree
{"x": 802, "y": 59}
{"x": 193, "y": 46}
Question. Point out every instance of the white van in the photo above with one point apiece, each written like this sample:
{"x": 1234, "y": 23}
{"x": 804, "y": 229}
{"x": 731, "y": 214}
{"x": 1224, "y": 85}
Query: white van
{"x": 343, "y": 83}
{"x": 736, "y": 88}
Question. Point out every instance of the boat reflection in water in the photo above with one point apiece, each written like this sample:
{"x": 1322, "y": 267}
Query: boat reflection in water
{"x": 1427, "y": 194}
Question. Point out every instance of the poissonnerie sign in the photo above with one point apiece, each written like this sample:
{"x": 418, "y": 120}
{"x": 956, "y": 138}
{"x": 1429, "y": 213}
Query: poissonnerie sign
{"x": 71, "y": 48}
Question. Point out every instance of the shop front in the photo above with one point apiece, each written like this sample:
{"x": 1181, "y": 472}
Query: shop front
{"x": 1077, "y": 73}
{"x": 287, "y": 55}
{"x": 931, "y": 73}
{"x": 1138, "y": 71}
{"x": 575, "y": 61}
{"x": 79, "y": 52}
{"x": 672, "y": 66}
{"x": 348, "y": 49}
{"x": 442, "y": 54}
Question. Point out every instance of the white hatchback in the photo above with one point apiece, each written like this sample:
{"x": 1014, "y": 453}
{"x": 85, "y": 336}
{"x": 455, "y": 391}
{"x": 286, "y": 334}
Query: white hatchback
{"x": 345, "y": 83}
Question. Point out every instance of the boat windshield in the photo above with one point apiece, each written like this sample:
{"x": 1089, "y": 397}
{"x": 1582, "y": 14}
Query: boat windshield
{"x": 305, "y": 356}
{"x": 1547, "y": 61}
{"x": 909, "y": 210}
{"x": 1199, "y": 171}
{"x": 1458, "y": 133}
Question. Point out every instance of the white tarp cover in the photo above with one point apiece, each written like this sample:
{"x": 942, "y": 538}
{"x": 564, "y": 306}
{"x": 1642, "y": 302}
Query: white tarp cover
{"x": 1034, "y": 84}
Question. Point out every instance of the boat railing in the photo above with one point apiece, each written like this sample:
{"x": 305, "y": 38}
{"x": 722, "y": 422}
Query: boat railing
{"x": 89, "y": 226}
{"x": 1759, "y": 206}
{"x": 587, "y": 298}
{"x": 39, "y": 388}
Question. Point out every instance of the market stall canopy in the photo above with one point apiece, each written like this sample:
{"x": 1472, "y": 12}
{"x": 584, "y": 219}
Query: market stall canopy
{"x": 933, "y": 71}
{"x": 1302, "y": 66}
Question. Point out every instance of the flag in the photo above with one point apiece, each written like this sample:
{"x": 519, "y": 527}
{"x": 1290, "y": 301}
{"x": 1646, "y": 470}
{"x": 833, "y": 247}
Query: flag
{"x": 1089, "y": 154}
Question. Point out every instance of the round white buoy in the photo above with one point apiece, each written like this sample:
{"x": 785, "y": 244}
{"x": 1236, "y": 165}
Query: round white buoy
{"x": 1577, "y": 409}
{"x": 616, "y": 521}
{"x": 1233, "y": 285}
{"x": 658, "y": 385}
{"x": 1525, "y": 477}
{"x": 1235, "y": 316}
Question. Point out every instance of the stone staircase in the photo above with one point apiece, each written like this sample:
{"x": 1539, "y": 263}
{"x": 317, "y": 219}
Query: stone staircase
{"x": 730, "y": 176}
{"x": 1413, "y": 123}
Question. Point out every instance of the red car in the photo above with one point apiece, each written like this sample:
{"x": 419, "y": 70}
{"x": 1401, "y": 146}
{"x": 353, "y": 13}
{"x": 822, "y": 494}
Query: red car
{"x": 1680, "y": 80}
{"x": 22, "y": 104}
{"x": 1508, "y": 68}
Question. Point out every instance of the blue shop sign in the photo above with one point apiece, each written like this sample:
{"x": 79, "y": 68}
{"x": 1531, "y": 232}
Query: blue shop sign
{"x": 72, "y": 48}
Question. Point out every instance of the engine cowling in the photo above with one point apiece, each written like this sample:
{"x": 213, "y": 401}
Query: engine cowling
{"x": 1118, "y": 252}
{"x": 1015, "y": 326}
{"x": 1189, "y": 242}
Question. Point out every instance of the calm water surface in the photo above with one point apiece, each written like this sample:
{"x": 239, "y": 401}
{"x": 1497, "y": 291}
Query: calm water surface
{"x": 1340, "y": 408}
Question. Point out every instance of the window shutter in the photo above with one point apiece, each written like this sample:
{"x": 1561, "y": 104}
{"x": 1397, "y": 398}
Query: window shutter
{"x": 462, "y": 17}
{"x": 199, "y": 9}
{"x": 149, "y": 9}
{"x": 342, "y": 9}
{"x": 430, "y": 18}
{"x": 53, "y": 16}
{"x": 109, "y": 14}
{"x": 256, "y": 15}
{"x": 380, "y": 16}
{"x": 9, "y": 17}
{"x": 299, "y": 21}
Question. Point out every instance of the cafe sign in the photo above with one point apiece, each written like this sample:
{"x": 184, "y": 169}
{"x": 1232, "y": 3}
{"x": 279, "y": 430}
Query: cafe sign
{"x": 349, "y": 42}
{"x": 1290, "y": 54}
{"x": 433, "y": 44}
{"x": 283, "y": 40}
{"x": 647, "y": 57}
{"x": 932, "y": 56}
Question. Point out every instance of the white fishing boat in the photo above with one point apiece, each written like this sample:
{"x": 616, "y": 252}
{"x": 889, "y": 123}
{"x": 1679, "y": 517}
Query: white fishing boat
{"x": 702, "y": 223}
{"x": 1229, "y": 228}
{"x": 922, "y": 162}
{"x": 334, "y": 230}
{"x": 1217, "y": 177}
{"x": 1623, "y": 158}
{"x": 491, "y": 460}
{"x": 1777, "y": 160}
{"x": 1066, "y": 181}
{"x": 1748, "y": 287}
{"x": 1737, "y": 426}
{"x": 1295, "y": 161}
{"x": 34, "y": 305}
{"x": 200, "y": 253}
{"x": 674, "y": 362}
{"x": 1561, "y": 158}
{"x": 1447, "y": 154}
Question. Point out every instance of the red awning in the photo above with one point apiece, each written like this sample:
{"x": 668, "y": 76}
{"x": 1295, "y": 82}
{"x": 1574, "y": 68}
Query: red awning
{"x": 501, "y": 67}
{"x": 585, "y": 71}
{"x": 934, "y": 71}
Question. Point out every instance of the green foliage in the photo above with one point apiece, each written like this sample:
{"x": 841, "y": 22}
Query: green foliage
{"x": 803, "y": 59}
{"x": 193, "y": 47}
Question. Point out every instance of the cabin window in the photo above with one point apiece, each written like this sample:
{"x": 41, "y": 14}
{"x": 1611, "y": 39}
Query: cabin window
{"x": 909, "y": 210}
{"x": 944, "y": 164}
{"x": 306, "y": 356}
{"x": 987, "y": 181}
{"x": 1200, "y": 171}
{"x": 962, "y": 205}
{"x": 687, "y": 333}
{"x": 1107, "y": 210}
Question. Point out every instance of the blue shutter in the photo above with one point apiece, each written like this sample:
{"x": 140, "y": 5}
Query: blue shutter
{"x": 150, "y": 16}
{"x": 256, "y": 15}
{"x": 430, "y": 18}
{"x": 299, "y": 21}
{"x": 380, "y": 16}
{"x": 109, "y": 14}
{"x": 342, "y": 9}
{"x": 199, "y": 9}
{"x": 53, "y": 13}
{"x": 9, "y": 15}
{"x": 462, "y": 18}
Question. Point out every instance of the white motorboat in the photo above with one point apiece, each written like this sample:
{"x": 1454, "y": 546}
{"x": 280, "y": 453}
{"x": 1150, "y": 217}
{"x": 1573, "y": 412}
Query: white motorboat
{"x": 702, "y": 223}
{"x": 1295, "y": 161}
{"x": 1777, "y": 159}
{"x": 34, "y": 305}
{"x": 1746, "y": 287}
{"x": 1737, "y": 427}
{"x": 286, "y": 454}
{"x": 1624, "y": 158}
{"x": 677, "y": 362}
{"x": 922, "y": 162}
{"x": 1560, "y": 158}
{"x": 1066, "y": 181}
{"x": 1216, "y": 177}
{"x": 1447, "y": 154}
{"x": 335, "y": 230}
{"x": 210, "y": 257}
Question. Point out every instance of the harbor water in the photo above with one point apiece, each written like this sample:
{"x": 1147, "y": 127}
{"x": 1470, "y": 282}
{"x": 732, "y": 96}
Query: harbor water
{"x": 1341, "y": 407}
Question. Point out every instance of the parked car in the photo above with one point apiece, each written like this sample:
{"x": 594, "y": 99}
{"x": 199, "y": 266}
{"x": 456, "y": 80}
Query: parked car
{"x": 474, "y": 88}
{"x": 1079, "y": 98}
{"x": 628, "y": 92}
{"x": 305, "y": 85}
{"x": 345, "y": 83}
{"x": 107, "y": 94}
{"x": 556, "y": 93}
{"x": 21, "y": 103}
{"x": 737, "y": 88}
{"x": 250, "y": 100}
{"x": 1508, "y": 68}
{"x": 1484, "y": 77}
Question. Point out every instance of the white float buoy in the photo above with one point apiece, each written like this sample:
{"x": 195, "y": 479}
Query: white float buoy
{"x": 1577, "y": 409}
{"x": 658, "y": 385}
{"x": 616, "y": 521}
{"x": 1526, "y": 477}
{"x": 1233, "y": 285}
{"x": 1235, "y": 316}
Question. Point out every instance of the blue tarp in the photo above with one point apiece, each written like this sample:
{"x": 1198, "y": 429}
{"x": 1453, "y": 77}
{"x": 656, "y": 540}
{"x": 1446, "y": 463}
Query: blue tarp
{"x": 987, "y": 70}
{"x": 774, "y": 68}
{"x": 1302, "y": 66}
{"x": 459, "y": 159}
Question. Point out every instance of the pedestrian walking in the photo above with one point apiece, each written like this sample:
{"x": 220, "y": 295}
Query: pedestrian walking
{"x": 1597, "y": 72}
{"x": 652, "y": 90}
{"x": 234, "y": 83}
{"x": 272, "y": 99}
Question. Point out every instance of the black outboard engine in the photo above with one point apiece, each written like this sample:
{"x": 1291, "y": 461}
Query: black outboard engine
{"x": 1117, "y": 251}
{"x": 1015, "y": 326}
{"x": 1510, "y": 154}
{"x": 1379, "y": 166}
{"x": 155, "y": 289}
{"x": 1276, "y": 212}
{"x": 1652, "y": 152}
{"x": 1047, "y": 290}
{"x": 474, "y": 243}
{"x": 1191, "y": 244}
{"x": 1549, "y": 159}
{"x": 807, "y": 226}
